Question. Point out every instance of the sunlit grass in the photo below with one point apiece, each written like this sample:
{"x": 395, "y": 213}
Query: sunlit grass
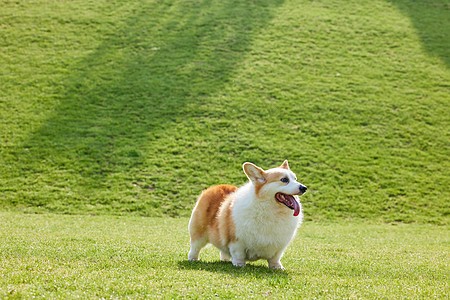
{"x": 55, "y": 256}
{"x": 134, "y": 107}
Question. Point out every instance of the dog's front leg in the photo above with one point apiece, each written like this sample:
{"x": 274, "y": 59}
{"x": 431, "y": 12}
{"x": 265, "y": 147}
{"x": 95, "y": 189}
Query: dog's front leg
{"x": 274, "y": 262}
{"x": 237, "y": 252}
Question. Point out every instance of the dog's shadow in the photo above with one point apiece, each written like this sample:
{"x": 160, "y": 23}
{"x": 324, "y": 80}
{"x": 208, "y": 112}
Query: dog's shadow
{"x": 228, "y": 268}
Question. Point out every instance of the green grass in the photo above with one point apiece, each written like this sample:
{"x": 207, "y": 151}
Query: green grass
{"x": 134, "y": 107}
{"x": 54, "y": 256}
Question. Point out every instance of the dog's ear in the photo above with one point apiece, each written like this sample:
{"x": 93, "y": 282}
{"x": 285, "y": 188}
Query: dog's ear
{"x": 285, "y": 165}
{"x": 254, "y": 173}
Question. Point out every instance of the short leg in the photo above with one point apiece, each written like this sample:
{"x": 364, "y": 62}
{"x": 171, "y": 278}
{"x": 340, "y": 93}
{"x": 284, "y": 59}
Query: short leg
{"x": 196, "y": 246}
{"x": 276, "y": 265}
{"x": 224, "y": 256}
{"x": 274, "y": 262}
{"x": 237, "y": 255}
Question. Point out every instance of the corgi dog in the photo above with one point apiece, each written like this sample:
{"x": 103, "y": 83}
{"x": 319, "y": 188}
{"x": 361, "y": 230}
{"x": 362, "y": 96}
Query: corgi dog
{"x": 255, "y": 221}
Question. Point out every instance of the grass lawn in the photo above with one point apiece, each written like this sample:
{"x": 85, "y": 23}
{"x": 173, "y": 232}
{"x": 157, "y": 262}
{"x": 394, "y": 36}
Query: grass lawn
{"x": 134, "y": 107}
{"x": 115, "y": 110}
{"x": 54, "y": 256}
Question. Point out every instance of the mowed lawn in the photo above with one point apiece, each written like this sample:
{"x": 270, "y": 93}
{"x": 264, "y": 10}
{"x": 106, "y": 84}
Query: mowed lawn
{"x": 115, "y": 115}
{"x": 54, "y": 256}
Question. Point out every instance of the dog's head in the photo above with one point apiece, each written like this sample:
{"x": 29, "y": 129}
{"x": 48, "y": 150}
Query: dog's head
{"x": 279, "y": 184}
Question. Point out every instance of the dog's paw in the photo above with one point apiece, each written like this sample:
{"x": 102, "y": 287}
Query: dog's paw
{"x": 193, "y": 259}
{"x": 239, "y": 263}
{"x": 276, "y": 266}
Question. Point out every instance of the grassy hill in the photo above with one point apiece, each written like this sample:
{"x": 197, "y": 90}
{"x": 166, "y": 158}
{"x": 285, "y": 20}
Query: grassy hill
{"x": 134, "y": 107}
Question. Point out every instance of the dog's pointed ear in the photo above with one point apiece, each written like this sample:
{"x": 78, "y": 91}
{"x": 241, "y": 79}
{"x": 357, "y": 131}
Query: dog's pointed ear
{"x": 285, "y": 165}
{"x": 254, "y": 173}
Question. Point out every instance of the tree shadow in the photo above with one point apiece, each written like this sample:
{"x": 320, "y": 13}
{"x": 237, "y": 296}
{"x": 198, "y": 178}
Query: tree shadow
{"x": 432, "y": 21}
{"x": 130, "y": 88}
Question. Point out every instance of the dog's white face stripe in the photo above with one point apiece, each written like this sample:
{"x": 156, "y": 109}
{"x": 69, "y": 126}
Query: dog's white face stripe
{"x": 280, "y": 180}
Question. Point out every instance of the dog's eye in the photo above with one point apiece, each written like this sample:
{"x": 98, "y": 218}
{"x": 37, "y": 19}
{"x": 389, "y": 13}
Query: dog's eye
{"x": 285, "y": 180}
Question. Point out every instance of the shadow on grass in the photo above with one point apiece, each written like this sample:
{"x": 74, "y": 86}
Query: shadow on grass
{"x": 256, "y": 271}
{"x": 432, "y": 21}
{"x": 117, "y": 103}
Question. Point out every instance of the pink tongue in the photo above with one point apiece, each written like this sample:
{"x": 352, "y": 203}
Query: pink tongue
{"x": 295, "y": 204}
{"x": 296, "y": 207}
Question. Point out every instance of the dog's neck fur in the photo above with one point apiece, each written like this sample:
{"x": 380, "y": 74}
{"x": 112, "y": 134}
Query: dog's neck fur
{"x": 247, "y": 196}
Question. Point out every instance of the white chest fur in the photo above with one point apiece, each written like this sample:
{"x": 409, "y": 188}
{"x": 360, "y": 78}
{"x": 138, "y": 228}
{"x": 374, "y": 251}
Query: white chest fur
{"x": 263, "y": 226}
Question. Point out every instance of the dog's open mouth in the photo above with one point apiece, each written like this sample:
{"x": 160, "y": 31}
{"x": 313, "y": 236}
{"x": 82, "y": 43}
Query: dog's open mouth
{"x": 289, "y": 201}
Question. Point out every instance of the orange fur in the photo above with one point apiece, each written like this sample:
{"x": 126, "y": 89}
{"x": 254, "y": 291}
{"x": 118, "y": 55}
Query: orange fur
{"x": 258, "y": 187}
{"x": 285, "y": 165}
{"x": 212, "y": 207}
{"x": 274, "y": 176}
{"x": 268, "y": 177}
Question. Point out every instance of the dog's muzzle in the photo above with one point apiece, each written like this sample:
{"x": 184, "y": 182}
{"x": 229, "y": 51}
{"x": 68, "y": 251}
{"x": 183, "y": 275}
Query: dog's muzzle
{"x": 302, "y": 189}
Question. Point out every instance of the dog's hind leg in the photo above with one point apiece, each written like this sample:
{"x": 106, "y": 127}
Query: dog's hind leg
{"x": 225, "y": 256}
{"x": 197, "y": 233}
{"x": 196, "y": 246}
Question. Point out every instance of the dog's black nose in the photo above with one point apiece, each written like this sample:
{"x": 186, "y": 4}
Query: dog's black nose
{"x": 303, "y": 189}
